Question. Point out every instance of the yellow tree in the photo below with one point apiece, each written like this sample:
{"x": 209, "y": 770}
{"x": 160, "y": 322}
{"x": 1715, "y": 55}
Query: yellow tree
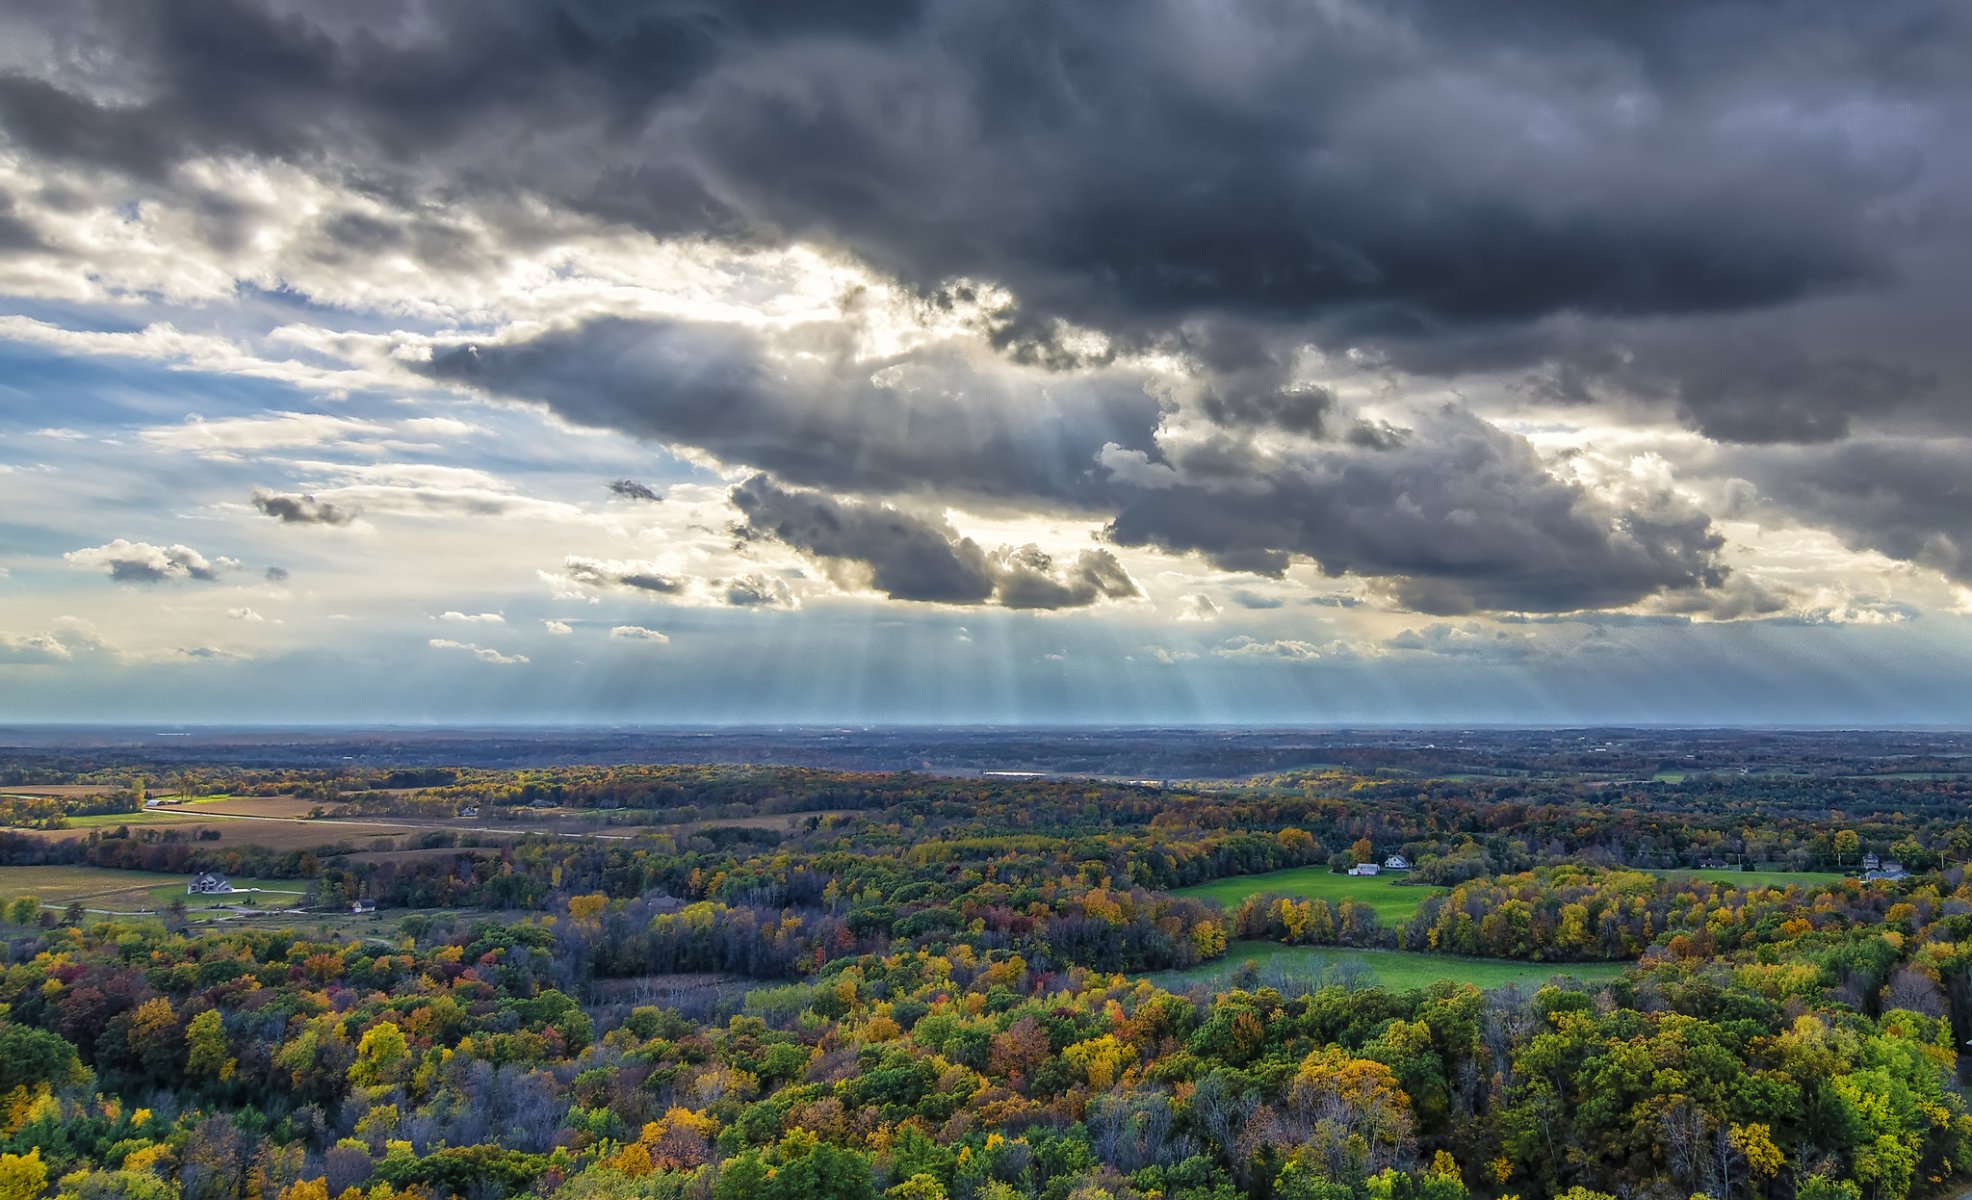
{"x": 22, "y": 1176}
{"x": 205, "y": 1047}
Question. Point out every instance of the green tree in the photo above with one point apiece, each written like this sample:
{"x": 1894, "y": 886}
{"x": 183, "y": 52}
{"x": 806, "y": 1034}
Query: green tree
{"x": 799, "y": 1168}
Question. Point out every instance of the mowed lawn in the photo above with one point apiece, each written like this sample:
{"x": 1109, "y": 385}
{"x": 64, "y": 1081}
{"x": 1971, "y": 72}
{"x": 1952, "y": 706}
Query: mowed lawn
{"x": 1392, "y": 900}
{"x": 1392, "y": 970}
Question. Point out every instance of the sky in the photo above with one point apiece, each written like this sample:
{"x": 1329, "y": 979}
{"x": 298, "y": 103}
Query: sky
{"x": 1325, "y": 361}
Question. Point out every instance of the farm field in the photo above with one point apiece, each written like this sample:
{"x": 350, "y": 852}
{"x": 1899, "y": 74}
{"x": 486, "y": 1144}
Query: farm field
{"x": 135, "y": 891}
{"x": 1392, "y": 901}
{"x": 239, "y": 827}
{"x": 290, "y": 807}
{"x": 61, "y": 885}
{"x": 1393, "y": 970}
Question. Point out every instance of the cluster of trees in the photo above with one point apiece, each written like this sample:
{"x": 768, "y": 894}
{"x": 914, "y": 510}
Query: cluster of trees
{"x": 21, "y": 811}
{"x": 457, "y": 1060}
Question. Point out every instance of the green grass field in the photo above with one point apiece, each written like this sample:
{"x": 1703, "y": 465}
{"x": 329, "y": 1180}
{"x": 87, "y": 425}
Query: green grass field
{"x": 1393, "y": 970}
{"x": 1393, "y": 901}
{"x": 1757, "y": 878}
{"x": 133, "y": 891}
{"x": 60, "y": 885}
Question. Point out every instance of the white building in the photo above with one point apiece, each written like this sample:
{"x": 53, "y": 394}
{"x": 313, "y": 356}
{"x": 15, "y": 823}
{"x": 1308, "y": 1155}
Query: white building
{"x": 1396, "y": 862}
{"x": 209, "y": 883}
{"x": 1364, "y": 869}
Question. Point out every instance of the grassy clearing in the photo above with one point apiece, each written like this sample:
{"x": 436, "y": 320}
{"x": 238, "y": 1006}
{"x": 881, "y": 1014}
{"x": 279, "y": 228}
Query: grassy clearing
{"x": 1393, "y": 970}
{"x": 141, "y": 891}
{"x": 1393, "y": 901}
{"x": 1758, "y": 878}
{"x": 61, "y": 885}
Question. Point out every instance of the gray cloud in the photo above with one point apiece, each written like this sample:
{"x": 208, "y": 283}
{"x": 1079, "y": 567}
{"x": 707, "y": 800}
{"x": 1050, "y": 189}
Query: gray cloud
{"x": 1908, "y": 498}
{"x": 824, "y": 419}
{"x": 630, "y": 489}
{"x": 1733, "y": 384}
{"x": 757, "y": 591}
{"x": 1463, "y": 517}
{"x": 292, "y": 509}
{"x": 639, "y": 577}
{"x": 910, "y": 557}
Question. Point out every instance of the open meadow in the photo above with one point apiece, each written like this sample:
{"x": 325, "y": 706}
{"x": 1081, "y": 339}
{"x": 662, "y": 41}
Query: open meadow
{"x": 1394, "y": 970}
{"x": 1392, "y": 899}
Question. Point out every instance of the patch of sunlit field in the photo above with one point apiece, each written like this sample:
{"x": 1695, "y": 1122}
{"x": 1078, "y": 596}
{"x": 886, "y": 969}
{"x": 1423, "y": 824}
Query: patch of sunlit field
{"x": 1393, "y": 900}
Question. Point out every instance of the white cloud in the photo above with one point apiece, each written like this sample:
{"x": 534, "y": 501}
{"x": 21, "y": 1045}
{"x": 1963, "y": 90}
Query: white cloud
{"x": 485, "y": 618}
{"x": 1247, "y": 647}
{"x": 482, "y": 653}
{"x": 279, "y": 431}
{"x": 559, "y": 628}
{"x": 69, "y": 637}
{"x": 1197, "y": 607}
{"x": 637, "y": 633}
{"x": 21, "y": 649}
{"x": 244, "y": 614}
{"x": 140, "y": 562}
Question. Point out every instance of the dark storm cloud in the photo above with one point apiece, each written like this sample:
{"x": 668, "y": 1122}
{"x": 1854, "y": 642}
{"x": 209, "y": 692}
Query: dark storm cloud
{"x": 1732, "y": 385}
{"x": 276, "y": 574}
{"x": 15, "y": 234}
{"x": 1403, "y": 166}
{"x": 910, "y": 557}
{"x": 1463, "y": 517}
{"x": 904, "y": 424}
{"x": 274, "y": 79}
{"x": 1244, "y": 380}
{"x": 630, "y": 489}
{"x": 291, "y": 509}
{"x": 1907, "y": 498}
